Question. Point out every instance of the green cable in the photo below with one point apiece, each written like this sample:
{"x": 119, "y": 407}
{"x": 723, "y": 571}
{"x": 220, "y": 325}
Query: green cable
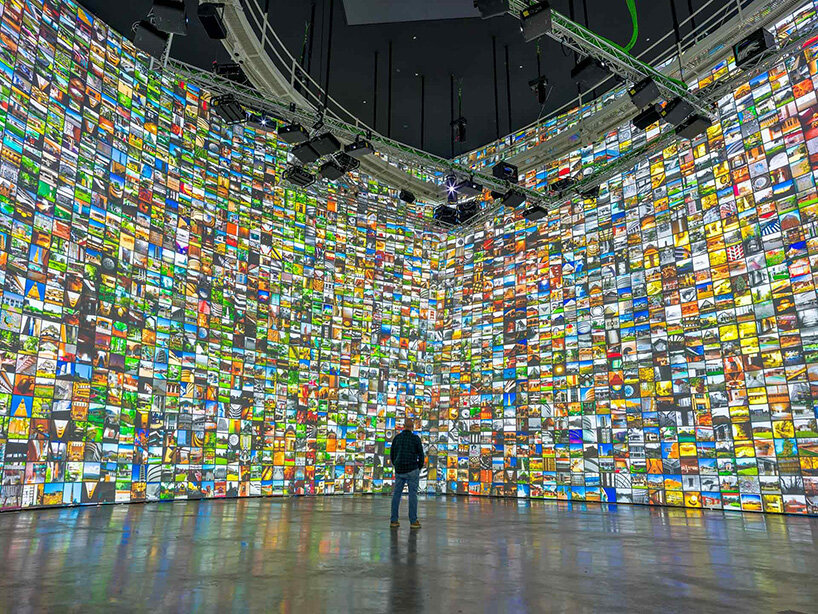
{"x": 635, "y": 21}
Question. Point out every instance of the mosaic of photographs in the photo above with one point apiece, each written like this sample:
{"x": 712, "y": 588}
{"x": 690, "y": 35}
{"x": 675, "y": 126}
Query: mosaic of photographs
{"x": 174, "y": 324}
{"x": 657, "y": 344}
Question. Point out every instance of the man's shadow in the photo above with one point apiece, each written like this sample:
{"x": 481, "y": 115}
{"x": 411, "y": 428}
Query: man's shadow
{"x": 405, "y": 589}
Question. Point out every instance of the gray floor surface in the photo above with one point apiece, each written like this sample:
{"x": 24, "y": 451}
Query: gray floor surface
{"x": 337, "y": 554}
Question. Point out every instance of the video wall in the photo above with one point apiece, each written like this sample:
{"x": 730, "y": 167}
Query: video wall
{"x": 175, "y": 323}
{"x": 657, "y": 344}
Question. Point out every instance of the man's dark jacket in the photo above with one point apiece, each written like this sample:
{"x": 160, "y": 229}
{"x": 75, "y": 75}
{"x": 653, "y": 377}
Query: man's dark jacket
{"x": 407, "y": 452}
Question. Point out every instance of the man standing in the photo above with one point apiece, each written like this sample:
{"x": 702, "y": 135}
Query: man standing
{"x": 407, "y": 459}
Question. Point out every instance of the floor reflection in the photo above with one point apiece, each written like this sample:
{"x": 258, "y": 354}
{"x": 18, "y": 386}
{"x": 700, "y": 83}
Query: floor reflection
{"x": 405, "y": 587}
{"x": 338, "y": 554}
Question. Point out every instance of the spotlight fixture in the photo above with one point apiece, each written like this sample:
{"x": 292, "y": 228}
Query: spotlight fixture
{"x": 560, "y": 185}
{"x": 676, "y": 111}
{"x": 406, "y": 196}
{"x": 293, "y": 134}
{"x": 506, "y": 172}
{"x": 590, "y": 192}
{"x": 446, "y": 214}
{"x": 513, "y": 199}
{"x": 325, "y": 144}
{"x": 459, "y": 129}
{"x": 534, "y": 213}
{"x": 305, "y": 153}
{"x": 589, "y": 71}
{"x": 331, "y": 170}
{"x": 491, "y": 8}
{"x": 347, "y": 162}
{"x": 539, "y": 87}
{"x": 466, "y": 211}
{"x": 231, "y": 71}
{"x": 261, "y": 119}
{"x": 149, "y": 39}
{"x": 298, "y": 176}
{"x": 535, "y": 21}
{"x": 648, "y": 117}
{"x": 229, "y": 109}
{"x": 210, "y": 16}
{"x": 451, "y": 183}
{"x": 170, "y": 16}
{"x": 468, "y": 187}
{"x": 752, "y": 46}
{"x": 644, "y": 92}
{"x": 359, "y": 148}
{"x": 693, "y": 126}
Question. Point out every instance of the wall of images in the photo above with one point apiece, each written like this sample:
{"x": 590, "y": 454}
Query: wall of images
{"x": 657, "y": 344}
{"x": 174, "y": 323}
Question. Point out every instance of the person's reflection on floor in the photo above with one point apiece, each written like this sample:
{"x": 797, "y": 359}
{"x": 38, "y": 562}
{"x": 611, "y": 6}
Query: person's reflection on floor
{"x": 404, "y": 594}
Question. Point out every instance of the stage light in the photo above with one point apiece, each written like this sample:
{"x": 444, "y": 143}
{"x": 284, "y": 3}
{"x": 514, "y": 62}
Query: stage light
{"x": 466, "y": 211}
{"x": 229, "y": 109}
{"x": 534, "y": 213}
{"x": 446, "y": 214}
{"x": 752, "y": 46}
{"x": 539, "y": 87}
{"x": 590, "y": 192}
{"x": 451, "y": 187}
{"x": 513, "y": 199}
{"x": 506, "y": 172}
{"x": 359, "y": 148}
{"x": 491, "y": 8}
{"x": 261, "y": 119}
{"x": 648, "y": 117}
{"x": 305, "y": 153}
{"x": 693, "y": 126}
{"x": 296, "y": 175}
{"x": 468, "y": 187}
{"x": 211, "y": 20}
{"x": 643, "y": 93}
{"x": 676, "y": 111}
{"x": 589, "y": 72}
{"x": 561, "y": 185}
{"x": 149, "y": 39}
{"x": 293, "y": 134}
{"x": 406, "y": 196}
{"x": 231, "y": 71}
{"x": 347, "y": 162}
{"x": 535, "y": 21}
{"x": 459, "y": 129}
{"x": 170, "y": 16}
{"x": 331, "y": 170}
{"x": 325, "y": 144}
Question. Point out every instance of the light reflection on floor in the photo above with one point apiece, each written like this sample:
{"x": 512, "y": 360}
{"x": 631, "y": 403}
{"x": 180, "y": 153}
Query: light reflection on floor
{"x": 338, "y": 554}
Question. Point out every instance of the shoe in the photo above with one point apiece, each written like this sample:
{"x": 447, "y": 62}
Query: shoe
{"x": 415, "y": 525}
{"x": 394, "y": 525}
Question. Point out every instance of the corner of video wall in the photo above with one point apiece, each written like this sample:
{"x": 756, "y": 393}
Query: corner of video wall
{"x": 657, "y": 344}
{"x": 174, "y": 323}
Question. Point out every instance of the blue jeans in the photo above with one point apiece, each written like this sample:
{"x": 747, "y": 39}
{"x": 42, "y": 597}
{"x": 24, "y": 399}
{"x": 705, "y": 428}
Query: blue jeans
{"x": 412, "y": 478}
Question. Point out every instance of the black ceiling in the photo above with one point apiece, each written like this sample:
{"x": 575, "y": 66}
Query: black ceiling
{"x": 436, "y": 49}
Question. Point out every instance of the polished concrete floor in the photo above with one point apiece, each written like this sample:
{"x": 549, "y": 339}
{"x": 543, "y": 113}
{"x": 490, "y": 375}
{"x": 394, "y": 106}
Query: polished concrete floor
{"x": 337, "y": 554}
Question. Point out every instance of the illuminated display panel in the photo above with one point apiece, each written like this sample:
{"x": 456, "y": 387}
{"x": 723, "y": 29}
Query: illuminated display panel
{"x": 174, "y": 323}
{"x": 657, "y": 344}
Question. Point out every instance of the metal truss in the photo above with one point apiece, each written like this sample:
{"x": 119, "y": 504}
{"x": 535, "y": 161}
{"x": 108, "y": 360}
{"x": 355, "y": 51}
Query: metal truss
{"x": 617, "y": 60}
{"x": 289, "y": 112}
{"x": 596, "y": 175}
{"x": 694, "y": 47}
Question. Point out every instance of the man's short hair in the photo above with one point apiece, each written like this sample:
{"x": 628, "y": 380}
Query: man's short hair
{"x": 408, "y": 424}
